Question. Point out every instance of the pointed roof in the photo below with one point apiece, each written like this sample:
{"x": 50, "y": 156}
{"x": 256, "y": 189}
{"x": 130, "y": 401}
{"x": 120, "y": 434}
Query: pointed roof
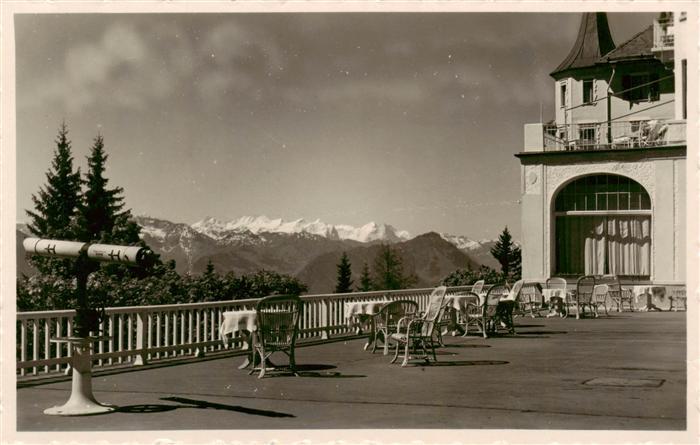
{"x": 593, "y": 42}
{"x": 638, "y": 47}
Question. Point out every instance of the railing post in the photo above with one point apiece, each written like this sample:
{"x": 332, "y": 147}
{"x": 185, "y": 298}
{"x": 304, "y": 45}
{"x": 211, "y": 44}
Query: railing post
{"x": 141, "y": 358}
{"x": 325, "y": 317}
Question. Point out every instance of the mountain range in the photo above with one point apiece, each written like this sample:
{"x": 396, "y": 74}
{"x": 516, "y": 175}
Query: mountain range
{"x": 306, "y": 250}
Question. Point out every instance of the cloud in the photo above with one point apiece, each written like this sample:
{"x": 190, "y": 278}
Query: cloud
{"x": 119, "y": 68}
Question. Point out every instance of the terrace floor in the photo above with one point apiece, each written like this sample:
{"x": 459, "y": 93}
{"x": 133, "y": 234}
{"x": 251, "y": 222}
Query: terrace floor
{"x": 534, "y": 380}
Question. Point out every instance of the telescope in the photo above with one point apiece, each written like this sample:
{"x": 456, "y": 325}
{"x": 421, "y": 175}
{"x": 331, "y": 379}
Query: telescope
{"x": 87, "y": 319}
{"x": 108, "y": 253}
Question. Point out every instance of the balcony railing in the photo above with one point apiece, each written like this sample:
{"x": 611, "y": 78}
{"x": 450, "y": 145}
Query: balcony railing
{"x": 613, "y": 135}
{"x": 139, "y": 334}
{"x": 663, "y": 33}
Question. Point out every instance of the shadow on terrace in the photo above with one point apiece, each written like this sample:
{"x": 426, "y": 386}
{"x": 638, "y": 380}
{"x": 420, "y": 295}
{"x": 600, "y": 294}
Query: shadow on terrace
{"x": 621, "y": 371}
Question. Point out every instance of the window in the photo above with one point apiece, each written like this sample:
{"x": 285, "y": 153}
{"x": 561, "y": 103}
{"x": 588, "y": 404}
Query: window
{"x": 602, "y": 193}
{"x": 640, "y": 87}
{"x": 586, "y": 135}
{"x": 603, "y": 226}
{"x": 588, "y": 91}
{"x": 562, "y": 94}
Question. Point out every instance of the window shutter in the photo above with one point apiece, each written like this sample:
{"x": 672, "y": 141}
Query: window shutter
{"x": 595, "y": 90}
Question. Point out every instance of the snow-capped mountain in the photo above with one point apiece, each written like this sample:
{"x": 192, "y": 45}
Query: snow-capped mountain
{"x": 309, "y": 250}
{"x": 464, "y": 243}
{"x": 220, "y": 230}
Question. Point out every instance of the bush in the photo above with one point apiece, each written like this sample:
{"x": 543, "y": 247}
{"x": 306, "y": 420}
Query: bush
{"x": 163, "y": 286}
{"x": 466, "y": 277}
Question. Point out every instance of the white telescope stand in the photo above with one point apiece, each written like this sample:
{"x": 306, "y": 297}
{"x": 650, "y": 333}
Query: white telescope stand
{"x": 82, "y": 401}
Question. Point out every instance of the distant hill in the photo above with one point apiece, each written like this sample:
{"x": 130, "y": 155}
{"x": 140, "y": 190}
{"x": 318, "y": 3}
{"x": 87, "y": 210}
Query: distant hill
{"x": 428, "y": 256}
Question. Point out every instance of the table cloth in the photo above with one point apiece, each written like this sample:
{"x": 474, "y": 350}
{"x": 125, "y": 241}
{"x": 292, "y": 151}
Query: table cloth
{"x": 649, "y": 297}
{"x": 358, "y": 308}
{"x": 237, "y": 321}
{"x": 557, "y": 308}
{"x": 358, "y": 313}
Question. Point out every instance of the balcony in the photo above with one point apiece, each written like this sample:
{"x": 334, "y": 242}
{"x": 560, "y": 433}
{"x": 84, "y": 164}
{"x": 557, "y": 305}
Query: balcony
{"x": 543, "y": 377}
{"x": 663, "y": 33}
{"x": 616, "y": 135}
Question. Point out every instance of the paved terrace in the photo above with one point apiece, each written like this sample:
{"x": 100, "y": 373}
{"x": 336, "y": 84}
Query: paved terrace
{"x": 540, "y": 378}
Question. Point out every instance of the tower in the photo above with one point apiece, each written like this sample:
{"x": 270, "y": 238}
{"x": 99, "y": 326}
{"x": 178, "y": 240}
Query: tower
{"x": 603, "y": 184}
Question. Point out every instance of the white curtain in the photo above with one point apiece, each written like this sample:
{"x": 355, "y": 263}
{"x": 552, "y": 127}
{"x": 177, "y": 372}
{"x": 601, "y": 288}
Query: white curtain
{"x": 629, "y": 245}
{"x": 597, "y": 245}
{"x": 594, "y": 245}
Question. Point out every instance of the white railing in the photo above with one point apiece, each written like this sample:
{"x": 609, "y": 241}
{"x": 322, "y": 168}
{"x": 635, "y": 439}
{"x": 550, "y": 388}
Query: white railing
{"x": 136, "y": 335}
{"x": 618, "y": 135}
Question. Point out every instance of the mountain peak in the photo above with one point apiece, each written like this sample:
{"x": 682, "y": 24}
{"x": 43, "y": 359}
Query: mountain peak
{"x": 369, "y": 232}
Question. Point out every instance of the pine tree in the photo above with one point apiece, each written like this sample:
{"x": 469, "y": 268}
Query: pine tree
{"x": 506, "y": 253}
{"x": 344, "y": 281}
{"x": 365, "y": 279}
{"x": 388, "y": 270}
{"x": 56, "y": 204}
{"x": 102, "y": 215}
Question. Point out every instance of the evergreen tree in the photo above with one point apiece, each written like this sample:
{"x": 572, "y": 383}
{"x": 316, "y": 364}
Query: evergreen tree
{"x": 56, "y": 204}
{"x": 365, "y": 279}
{"x": 344, "y": 281}
{"x": 102, "y": 215}
{"x": 507, "y": 254}
{"x": 388, "y": 270}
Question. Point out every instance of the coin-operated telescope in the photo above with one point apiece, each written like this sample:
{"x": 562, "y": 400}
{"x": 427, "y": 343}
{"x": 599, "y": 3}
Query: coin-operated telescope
{"x": 87, "y": 318}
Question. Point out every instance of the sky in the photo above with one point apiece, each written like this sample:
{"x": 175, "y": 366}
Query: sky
{"x": 409, "y": 119}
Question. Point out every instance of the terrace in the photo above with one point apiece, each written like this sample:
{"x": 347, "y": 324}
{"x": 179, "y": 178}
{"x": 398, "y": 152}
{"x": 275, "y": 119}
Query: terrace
{"x": 616, "y": 135}
{"x": 166, "y": 369}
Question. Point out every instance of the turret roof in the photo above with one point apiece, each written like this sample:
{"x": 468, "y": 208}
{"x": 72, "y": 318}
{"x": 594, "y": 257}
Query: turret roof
{"x": 593, "y": 42}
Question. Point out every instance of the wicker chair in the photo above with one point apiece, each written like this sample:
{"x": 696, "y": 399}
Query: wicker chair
{"x": 617, "y": 294}
{"x": 485, "y": 315}
{"x": 600, "y": 298}
{"x": 478, "y": 287}
{"x": 557, "y": 305}
{"x": 418, "y": 333}
{"x": 678, "y": 295}
{"x": 278, "y": 326}
{"x": 530, "y": 300}
{"x": 556, "y": 283}
{"x": 387, "y": 320}
{"x": 584, "y": 296}
{"x": 507, "y": 306}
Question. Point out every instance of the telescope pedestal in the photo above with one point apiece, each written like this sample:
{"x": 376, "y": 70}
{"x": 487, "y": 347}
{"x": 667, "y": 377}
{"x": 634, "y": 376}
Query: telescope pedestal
{"x": 82, "y": 401}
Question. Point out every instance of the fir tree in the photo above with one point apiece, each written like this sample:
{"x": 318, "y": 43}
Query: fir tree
{"x": 56, "y": 204}
{"x": 507, "y": 254}
{"x": 365, "y": 279}
{"x": 344, "y": 281}
{"x": 102, "y": 215}
{"x": 388, "y": 270}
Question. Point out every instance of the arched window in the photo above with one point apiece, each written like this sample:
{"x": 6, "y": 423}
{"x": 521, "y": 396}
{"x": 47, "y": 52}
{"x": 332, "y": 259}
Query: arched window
{"x": 603, "y": 226}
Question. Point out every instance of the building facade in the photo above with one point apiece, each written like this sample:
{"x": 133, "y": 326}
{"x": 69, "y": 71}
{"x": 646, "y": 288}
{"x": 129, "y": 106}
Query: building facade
{"x": 603, "y": 184}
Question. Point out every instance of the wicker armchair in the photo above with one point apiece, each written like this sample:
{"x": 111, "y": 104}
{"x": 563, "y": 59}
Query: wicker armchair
{"x": 478, "y": 287}
{"x": 278, "y": 326}
{"x": 508, "y": 305}
{"x": 600, "y": 298}
{"x": 485, "y": 315}
{"x": 530, "y": 300}
{"x": 420, "y": 333}
{"x": 584, "y": 296}
{"x": 387, "y": 320}
{"x": 618, "y": 295}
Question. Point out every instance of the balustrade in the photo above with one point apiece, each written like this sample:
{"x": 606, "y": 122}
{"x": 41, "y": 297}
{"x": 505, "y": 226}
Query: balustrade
{"x": 137, "y": 335}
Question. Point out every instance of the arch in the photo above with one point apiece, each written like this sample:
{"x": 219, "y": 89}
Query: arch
{"x": 602, "y": 225}
{"x": 601, "y": 192}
